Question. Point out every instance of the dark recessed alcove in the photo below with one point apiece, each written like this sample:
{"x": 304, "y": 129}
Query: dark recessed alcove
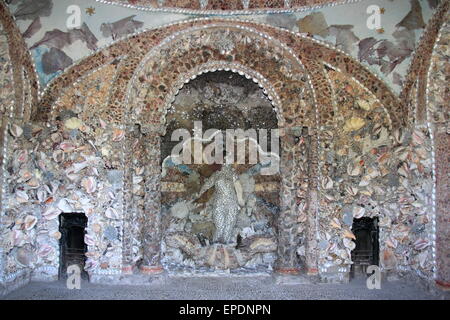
{"x": 366, "y": 252}
{"x": 72, "y": 246}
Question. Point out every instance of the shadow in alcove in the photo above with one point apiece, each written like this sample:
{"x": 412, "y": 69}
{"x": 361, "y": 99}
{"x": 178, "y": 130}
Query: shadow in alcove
{"x": 72, "y": 247}
{"x": 366, "y": 251}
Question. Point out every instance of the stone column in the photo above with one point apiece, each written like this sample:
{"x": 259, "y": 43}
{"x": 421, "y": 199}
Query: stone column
{"x": 442, "y": 142}
{"x": 287, "y": 223}
{"x": 129, "y": 215}
{"x": 151, "y": 221}
{"x": 312, "y": 207}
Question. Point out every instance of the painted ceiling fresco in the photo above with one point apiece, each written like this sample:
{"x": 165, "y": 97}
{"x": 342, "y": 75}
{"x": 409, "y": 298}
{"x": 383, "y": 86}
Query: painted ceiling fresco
{"x": 386, "y": 51}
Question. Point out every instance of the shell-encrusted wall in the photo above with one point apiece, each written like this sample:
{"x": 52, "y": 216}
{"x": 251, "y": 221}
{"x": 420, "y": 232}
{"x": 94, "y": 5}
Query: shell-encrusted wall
{"x": 68, "y": 166}
{"x": 350, "y": 147}
{"x": 371, "y": 170}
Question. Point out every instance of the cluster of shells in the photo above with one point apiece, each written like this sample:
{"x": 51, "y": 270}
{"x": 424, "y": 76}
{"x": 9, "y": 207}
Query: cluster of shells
{"x": 70, "y": 167}
{"x": 371, "y": 170}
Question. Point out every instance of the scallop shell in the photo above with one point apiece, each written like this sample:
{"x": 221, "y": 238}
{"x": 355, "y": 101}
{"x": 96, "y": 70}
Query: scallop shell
{"x": 353, "y": 191}
{"x": 358, "y": 212}
{"x": 45, "y": 250}
{"x": 21, "y": 196}
{"x": 353, "y": 170}
{"x": 421, "y": 244}
{"x": 17, "y": 238}
{"x": 30, "y": 222}
{"x": 364, "y": 104}
{"x": 64, "y": 205}
{"x": 16, "y": 131}
{"x": 118, "y": 135}
{"x": 89, "y": 184}
{"x": 73, "y": 123}
{"x": 112, "y": 213}
{"x": 51, "y": 213}
{"x": 327, "y": 183}
{"x": 25, "y": 257}
{"x": 41, "y": 195}
{"x": 89, "y": 240}
{"x": 354, "y": 124}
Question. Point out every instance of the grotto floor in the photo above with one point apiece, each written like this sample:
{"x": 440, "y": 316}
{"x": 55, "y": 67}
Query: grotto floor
{"x": 221, "y": 288}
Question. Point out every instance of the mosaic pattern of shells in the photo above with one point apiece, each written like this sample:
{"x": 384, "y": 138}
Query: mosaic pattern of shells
{"x": 77, "y": 165}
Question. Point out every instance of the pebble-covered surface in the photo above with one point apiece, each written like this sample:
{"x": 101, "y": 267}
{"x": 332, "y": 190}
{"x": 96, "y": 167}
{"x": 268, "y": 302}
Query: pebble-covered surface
{"x": 201, "y": 288}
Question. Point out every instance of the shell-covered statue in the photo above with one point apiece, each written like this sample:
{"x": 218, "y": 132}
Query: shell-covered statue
{"x": 226, "y": 201}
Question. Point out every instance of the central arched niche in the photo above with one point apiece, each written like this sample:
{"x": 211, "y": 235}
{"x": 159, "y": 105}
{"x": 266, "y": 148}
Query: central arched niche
{"x": 219, "y": 100}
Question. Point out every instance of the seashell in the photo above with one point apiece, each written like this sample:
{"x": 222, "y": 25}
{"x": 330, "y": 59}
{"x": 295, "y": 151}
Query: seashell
{"x": 353, "y": 191}
{"x": 335, "y": 223}
{"x": 21, "y": 196}
{"x": 25, "y": 257}
{"x": 140, "y": 171}
{"x": 365, "y": 181}
{"x": 112, "y": 213}
{"x": 45, "y": 250}
{"x": 96, "y": 227}
{"x": 404, "y": 170}
{"x": 385, "y": 222}
{"x": 353, "y": 170}
{"x": 392, "y": 243}
{"x": 89, "y": 240}
{"x": 25, "y": 175}
{"x": 73, "y": 123}
{"x": 33, "y": 183}
{"x": 30, "y": 222}
{"x": 418, "y": 137}
{"x": 421, "y": 244}
{"x": 364, "y": 104}
{"x": 41, "y": 195}
{"x": 358, "y": 212}
{"x": 56, "y": 235}
{"x": 67, "y": 146}
{"x": 349, "y": 234}
{"x": 327, "y": 183}
{"x": 118, "y": 135}
{"x": 349, "y": 244}
{"x": 102, "y": 123}
{"x": 89, "y": 184}
{"x": 373, "y": 172}
{"x": 51, "y": 213}
{"x": 106, "y": 150}
{"x": 354, "y": 124}
{"x": 422, "y": 153}
{"x": 138, "y": 179}
{"x": 22, "y": 156}
{"x": 423, "y": 258}
{"x": 16, "y": 131}
{"x": 58, "y": 156}
{"x": 397, "y": 134}
{"x": 64, "y": 206}
{"x": 17, "y": 238}
{"x": 56, "y": 137}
